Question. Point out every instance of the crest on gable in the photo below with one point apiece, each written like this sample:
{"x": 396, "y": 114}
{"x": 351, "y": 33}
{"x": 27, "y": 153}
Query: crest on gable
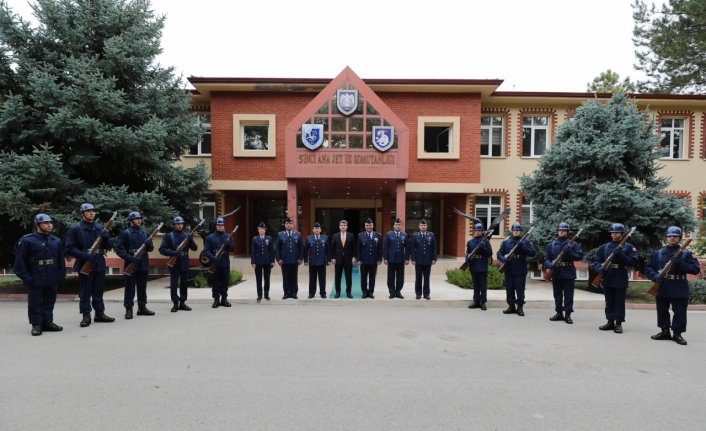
{"x": 383, "y": 137}
{"x": 347, "y": 101}
{"x": 312, "y": 135}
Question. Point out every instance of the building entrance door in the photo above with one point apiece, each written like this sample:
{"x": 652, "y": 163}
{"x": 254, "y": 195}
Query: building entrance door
{"x": 329, "y": 218}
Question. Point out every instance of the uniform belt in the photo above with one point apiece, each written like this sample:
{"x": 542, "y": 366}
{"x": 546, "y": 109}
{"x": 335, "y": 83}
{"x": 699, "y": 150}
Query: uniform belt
{"x": 675, "y": 277}
{"x": 616, "y": 266}
{"x": 132, "y": 251}
{"x": 475, "y": 256}
{"x": 45, "y": 262}
{"x": 183, "y": 253}
{"x": 565, "y": 264}
{"x": 513, "y": 256}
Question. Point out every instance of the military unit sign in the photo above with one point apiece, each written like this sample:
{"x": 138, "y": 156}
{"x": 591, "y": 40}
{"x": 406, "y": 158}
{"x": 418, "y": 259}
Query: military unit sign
{"x": 312, "y": 135}
{"x": 383, "y": 137}
{"x": 347, "y": 101}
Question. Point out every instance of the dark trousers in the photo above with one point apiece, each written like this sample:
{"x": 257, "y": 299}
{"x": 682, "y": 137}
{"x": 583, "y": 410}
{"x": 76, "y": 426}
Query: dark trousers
{"x": 515, "y": 289}
{"x": 614, "y": 303}
{"x": 260, "y": 271}
{"x": 346, "y": 267}
{"x": 219, "y": 283}
{"x": 137, "y": 279}
{"x": 91, "y": 291}
{"x": 421, "y": 281}
{"x": 368, "y": 271}
{"x": 40, "y": 304}
{"x": 289, "y": 279}
{"x": 678, "y": 307}
{"x": 563, "y": 295}
{"x": 317, "y": 271}
{"x": 480, "y": 287}
{"x": 178, "y": 278}
{"x": 395, "y": 277}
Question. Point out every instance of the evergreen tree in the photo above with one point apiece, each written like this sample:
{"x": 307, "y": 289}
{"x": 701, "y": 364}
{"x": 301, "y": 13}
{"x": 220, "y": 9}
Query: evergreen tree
{"x": 603, "y": 169}
{"x": 609, "y": 82}
{"x": 87, "y": 114}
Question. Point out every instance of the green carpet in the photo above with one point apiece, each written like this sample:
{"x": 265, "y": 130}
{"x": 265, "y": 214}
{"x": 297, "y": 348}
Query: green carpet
{"x": 357, "y": 293}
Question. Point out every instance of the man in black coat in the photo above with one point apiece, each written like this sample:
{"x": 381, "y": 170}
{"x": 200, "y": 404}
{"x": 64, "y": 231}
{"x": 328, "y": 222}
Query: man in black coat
{"x": 343, "y": 253}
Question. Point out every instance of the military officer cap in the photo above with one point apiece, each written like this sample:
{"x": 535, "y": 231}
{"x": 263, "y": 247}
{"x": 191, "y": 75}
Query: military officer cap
{"x": 42, "y": 218}
{"x": 220, "y": 221}
{"x": 87, "y": 207}
{"x": 262, "y": 225}
{"x": 288, "y": 220}
{"x": 317, "y": 224}
{"x": 133, "y": 215}
{"x": 398, "y": 221}
{"x": 368, "y": 221}
{"x": 178, "y": 219}
{"x": 423, "y": 221}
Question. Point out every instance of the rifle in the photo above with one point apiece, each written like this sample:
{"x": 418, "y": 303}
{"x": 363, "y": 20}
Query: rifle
{"x": 654, "y": 290}
{"x": 221, "y": 250}
{"x": 202, "y": 256}
{"x": 604, "y": 267}
{"x": 549, "y": 271}
{"x": 88, "y": 264}
{"x": 486, "y": 236}
{"x": 501, "y": 268}
{"x": 172, "y": 260}
{"x": 141, "y": 251}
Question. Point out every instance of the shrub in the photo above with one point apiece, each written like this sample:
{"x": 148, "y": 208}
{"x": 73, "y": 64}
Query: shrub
{"x": 236, "y": 277}
{"x": 462, "y": 279}
{"x": 698, "y": 291}
{"x": 201, "y": 281}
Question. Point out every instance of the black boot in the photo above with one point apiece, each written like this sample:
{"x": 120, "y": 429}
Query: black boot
{"x": 520, "y": 311}
{"x": 557, "y": 317}
{"x": 664, "y": 335}
{"x": 101, "y": 317}
{"x": 618, "y": 328}
{"x": 567, "y": 319}
{"x": 128, "y": 313}
{"x": 267, "y": 294}
{"x": 474, "y": 304}
{"x": 679, "y": 339}
{"x": 483, "y": 306}
{"x": 51, "y": 327}
{"x": 142, "y": 310}
{"x": 36, "y": 330}
{"x": 175, "y": 308}
{"x": 510, "y": 309}
{"x": 183, "y": 306}
{"x": 216, "y": 303}
{"x": 86, "y": 320}
{"x": 608, "y": 326}
{"x": 224, "y": 302}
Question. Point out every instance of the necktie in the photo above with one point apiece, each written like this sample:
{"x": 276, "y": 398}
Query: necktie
{"x": 371, "y": 235}
{"x": 398, "y": 235}
{"x": 316, "y": 238}
{"x": 343, "y": 239}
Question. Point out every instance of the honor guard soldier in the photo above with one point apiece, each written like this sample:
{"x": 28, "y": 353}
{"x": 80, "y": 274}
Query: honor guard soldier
{"x": 423, "y": 256}
{"x": 126, "y": 245}
{"x": 221, "y": 278}
{"x": 515, "y": 269}
{"x": 478, "y": 265}
{"x": 39, "y": 263}
{"x": 675, "y": 287}
{"x": 343, "y": 257}
{"x": 289, "y": 254}
{"x": 79, "y": 240}
{"x": 317, "y": 256}
{"x": 369, "y": 256}
{"x": 179, "y": 273}
{"x": 262, "y": 259}
{"x": 396, "y": 256}
{"x": 615, "y": 278}
{"x": 564, "y": 274}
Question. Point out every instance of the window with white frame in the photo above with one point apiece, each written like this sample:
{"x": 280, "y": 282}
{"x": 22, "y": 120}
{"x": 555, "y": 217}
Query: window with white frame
{"x": 438, "y": 137}
{"x": 491, "y": 135}
{"x": 203, "y": 146}
{"x": 487, "y": 208}
{"x": 535, "y": 135}
{"x": 672, "y": 141}
{"x": 254, "y": 135}
{"x": 527, "y": 216}
{"x": 207, "y": 211}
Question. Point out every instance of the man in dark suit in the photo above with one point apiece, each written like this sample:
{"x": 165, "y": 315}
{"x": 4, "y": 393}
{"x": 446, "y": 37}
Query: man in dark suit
{"x": 369, "y": 256}
{"x": 343, "y": 253}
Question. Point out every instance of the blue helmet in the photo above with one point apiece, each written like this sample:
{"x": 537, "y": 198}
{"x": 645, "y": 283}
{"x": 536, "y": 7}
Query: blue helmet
{"x": 617, "y": 228}
{"x": 220, "y": 221}
{"x": 87, "y": 207}
{"x": 178, "y": 219}
{"x": 563, "y": 226}
{"x": 673, "y": 231}
{"x": 133, "y": 215}
{"x": 478, "y": 226}
{"x": 42, "y": 218}
{"x": 516, "y": 226}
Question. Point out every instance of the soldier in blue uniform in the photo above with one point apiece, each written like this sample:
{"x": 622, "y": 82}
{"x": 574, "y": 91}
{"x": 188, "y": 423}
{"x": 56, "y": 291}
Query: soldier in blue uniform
{"x": 515, "y": 269}
{"x": 179, "y": 274}
{"x": 615, "y": 278}
{"x": 478, "y": 265}
{"x": 221, "y": 278}
{"x": 126, "y": 245}
{"x": 564, "y": 275}
{"x": 675, "y": 287}
{"x": 317, "y": 256}
{"x": 39, "y": 263}
{"x": 262, "y": 259}
{"x": 396, "y": 256}
{"x": 79, "y": 240}
{"x": 289, "y": 254}
{"x": 423, "y": 256}
{"x": 369, "y": 256}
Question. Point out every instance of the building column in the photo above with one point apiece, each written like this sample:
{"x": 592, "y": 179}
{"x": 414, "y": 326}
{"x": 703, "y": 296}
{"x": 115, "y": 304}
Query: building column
{"x": 292, "y": 202}
{"x": 385, "y": 223}
{"x": 402, "y": 202}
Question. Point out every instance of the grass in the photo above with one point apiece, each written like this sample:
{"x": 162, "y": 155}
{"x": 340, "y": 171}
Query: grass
{"x": 9, "y": 280}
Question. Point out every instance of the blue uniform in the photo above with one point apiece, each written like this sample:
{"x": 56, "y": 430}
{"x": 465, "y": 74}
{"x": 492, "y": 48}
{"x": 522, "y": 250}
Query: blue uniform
{"x": 564, "y": 274}
{"x": 615, "y": 278}
{"x": 262, "y": 255}
{"x": 39, "y": 263}
{"x": 478, "y": 265}
{"x": 317, "y": 256}
{"x": 675, "y": 287}
{"x": 422, "y": 254}
{"x": 178, "y": 275}
{"x": 79, "y": 240}
{"x": 290, "y": 251}
{"x": 368, "y": 253}
{"x": 126, "y": 245}
{"x": 221, "y": 278}
{"x": 396, "y": 255}
{"x": 515, "y": 269}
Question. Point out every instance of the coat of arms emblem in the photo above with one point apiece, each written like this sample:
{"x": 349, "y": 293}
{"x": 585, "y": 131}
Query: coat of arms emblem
{"x": 312, "y": 135}
{"x": 347, "y": 101}
{"x": 383, "y": 137}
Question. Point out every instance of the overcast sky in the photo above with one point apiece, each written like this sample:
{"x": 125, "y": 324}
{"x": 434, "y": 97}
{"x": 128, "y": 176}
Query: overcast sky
{"x": 539, "y": 45}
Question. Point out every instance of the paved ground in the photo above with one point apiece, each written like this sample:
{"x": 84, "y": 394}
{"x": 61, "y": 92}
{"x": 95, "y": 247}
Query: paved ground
{"x": 348, "y": 365}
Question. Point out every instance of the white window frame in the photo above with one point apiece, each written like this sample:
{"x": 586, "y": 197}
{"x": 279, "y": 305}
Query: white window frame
{"x": 203, "y": 205}
{"x": 206, "y": 130}
{"x": 492, "y": 130}
{"x": 534, "y": 127}
{"x": 531, "y": 210}
{"x": 453, "y": 123}
{"x": 242, "y": 120}
{"x": 492, "y": 209}
{"x": 671, "y": 130}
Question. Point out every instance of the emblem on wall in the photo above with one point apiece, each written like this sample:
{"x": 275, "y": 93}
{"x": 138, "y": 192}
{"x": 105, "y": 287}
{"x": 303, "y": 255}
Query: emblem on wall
{"x": 312, "y": 135}
{"x": 347, "y": 101}
{"x": 383, "y": 137}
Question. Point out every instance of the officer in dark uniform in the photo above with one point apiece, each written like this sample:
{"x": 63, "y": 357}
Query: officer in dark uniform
{"x": 396, "y": 256}
{"x": 221, "y": 278}
{"x": 564, "y": 275}
{"x": 317, "y": 256}
{"x": 423, "y": 256}
{"x": 369, "y": 256}
{"x": 478, "y": 265}
{"x": 39, "y": 263}
{"x": 289, "y": 254}
{"x": 343, "y": 257}
{"x": 262, "y": 259}
{"x": 127, "y": 244}
{"x": 79, "y": 240}
{"x": 515, "y": 269}
{"x": 675, "y": 287}
{"x": 179, "y": 274}
{"x": 615, "y": 278}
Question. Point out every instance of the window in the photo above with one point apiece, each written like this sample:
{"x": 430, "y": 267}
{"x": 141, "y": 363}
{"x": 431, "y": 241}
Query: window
{"x": 207, "y": 211}
{"x": 422, "y": 209}
{"x": 491, "y": 136}
{"x": 254, "y": 135}
{"x": 487, "y": 208}
{"x": 535, "y": 135}
{"x": 527, "y": 216}
{"x": 203, "y": 146}
{"x": 672, "y": 138}
{"x": 438, "y": 137}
